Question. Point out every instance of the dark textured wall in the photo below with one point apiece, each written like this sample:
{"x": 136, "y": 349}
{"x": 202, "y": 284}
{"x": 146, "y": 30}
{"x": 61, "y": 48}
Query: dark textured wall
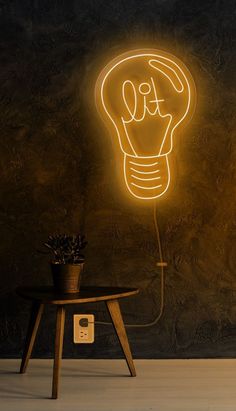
{"x": 59, "y": 174}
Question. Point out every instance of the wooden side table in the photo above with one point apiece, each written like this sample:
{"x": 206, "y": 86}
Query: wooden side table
{"x": 46, "y": 295}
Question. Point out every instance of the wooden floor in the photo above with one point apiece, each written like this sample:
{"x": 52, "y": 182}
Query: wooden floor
{"x": 105, "y": 385}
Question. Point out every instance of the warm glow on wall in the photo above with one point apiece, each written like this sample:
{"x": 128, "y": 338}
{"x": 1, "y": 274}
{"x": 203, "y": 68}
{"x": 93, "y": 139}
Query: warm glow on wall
{"x": 143, "y": 96}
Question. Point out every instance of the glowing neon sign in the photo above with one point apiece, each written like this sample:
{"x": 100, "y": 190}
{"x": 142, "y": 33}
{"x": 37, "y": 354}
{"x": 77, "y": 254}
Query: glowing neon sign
{"x": 143, "y": 96}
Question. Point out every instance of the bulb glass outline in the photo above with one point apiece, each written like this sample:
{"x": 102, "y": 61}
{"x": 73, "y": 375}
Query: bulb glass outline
{"x": 176, "y": 80}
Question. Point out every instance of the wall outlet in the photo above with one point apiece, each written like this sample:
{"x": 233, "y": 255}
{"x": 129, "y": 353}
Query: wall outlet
{"x": 83, "y": 328}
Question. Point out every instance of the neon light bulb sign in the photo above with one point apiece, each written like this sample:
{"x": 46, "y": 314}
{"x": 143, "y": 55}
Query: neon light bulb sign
{"x": 143, "y": 96}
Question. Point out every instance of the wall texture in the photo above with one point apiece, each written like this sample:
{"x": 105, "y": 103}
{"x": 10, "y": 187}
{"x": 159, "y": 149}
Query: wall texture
{"x": 59, "y": 173}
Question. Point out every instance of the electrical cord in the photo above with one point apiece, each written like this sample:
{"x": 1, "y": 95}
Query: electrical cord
{"x": 160, "y": 264}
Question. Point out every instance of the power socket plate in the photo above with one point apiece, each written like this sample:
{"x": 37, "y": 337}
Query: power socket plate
{"x": 83, "y": 328}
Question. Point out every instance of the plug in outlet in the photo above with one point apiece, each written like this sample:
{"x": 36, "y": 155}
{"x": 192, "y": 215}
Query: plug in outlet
{"x": 83, "y": 328}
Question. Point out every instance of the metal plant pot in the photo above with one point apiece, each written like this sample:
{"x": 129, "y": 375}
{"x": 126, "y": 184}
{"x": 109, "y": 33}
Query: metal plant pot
{"x": 66, "y": 277}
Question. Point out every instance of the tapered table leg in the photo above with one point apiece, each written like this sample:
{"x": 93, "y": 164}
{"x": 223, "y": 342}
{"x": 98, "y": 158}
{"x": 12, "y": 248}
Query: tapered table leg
{"x": 35, "y": 317}
{"x": 117, "y": 320}
{"x": 58, "y": 349}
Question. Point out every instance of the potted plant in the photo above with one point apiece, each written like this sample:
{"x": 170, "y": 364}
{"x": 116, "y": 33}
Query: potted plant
{"x": 67, "y": 263}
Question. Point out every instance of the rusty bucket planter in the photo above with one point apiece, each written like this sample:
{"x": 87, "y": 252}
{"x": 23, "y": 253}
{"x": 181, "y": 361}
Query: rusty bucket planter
{"x": 67, "y": 263}
{"x": 66, "y": 277}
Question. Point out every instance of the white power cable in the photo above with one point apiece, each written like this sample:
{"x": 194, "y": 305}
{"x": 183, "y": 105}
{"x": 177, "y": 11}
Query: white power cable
{"x": 160, "y": 264}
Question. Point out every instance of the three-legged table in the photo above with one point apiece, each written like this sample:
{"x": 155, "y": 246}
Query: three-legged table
{"x": 40, "y": 296}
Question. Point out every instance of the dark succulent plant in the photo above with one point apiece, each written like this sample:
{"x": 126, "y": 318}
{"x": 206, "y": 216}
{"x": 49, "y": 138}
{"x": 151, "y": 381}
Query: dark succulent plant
{"x": 66, "y": 249}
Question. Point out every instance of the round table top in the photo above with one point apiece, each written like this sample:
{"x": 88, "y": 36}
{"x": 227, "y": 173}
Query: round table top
{"x": 47, "y": 295}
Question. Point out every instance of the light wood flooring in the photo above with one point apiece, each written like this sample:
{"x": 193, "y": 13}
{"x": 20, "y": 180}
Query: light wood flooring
{"x": 105, "y": 385}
